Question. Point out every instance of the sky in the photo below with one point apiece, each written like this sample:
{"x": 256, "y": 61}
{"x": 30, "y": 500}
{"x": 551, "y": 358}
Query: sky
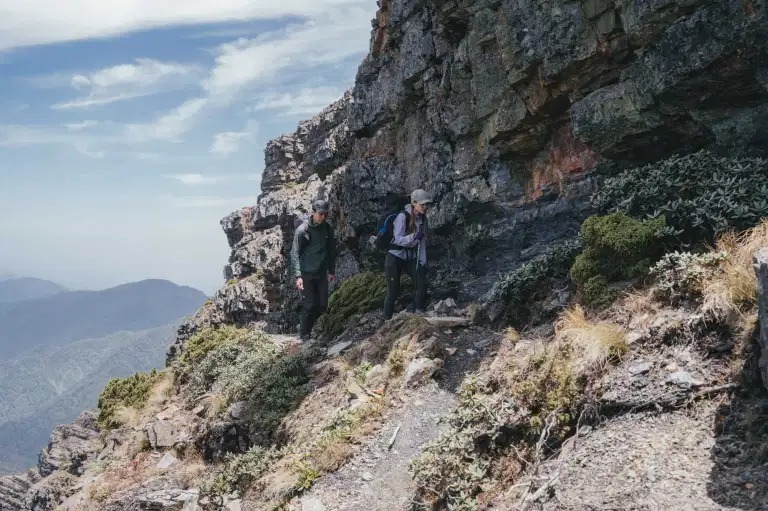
{"x": 129, "y": 128}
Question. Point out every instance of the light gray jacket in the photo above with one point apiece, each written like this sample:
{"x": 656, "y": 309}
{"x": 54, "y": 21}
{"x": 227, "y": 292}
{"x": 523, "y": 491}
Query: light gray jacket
{"x": 408, "y": 241}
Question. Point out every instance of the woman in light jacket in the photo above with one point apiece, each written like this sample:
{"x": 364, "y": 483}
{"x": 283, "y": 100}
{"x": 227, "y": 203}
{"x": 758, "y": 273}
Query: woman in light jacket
{"x": 408, "y": 252}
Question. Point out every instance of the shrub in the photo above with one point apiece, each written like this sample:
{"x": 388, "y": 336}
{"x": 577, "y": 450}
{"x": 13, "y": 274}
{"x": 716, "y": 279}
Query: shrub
{"x": 682, "y": 275}
{"x": 516, "y": 288}
{"x": 616, "y": 248}
{"x": 238, "y": 473}
{"x": 120, "y": 393}
{"x": 356, "y": 295}
{"x": 699, "y": 194}
{"x": 253, "y": 369}
{"x": 202, "y": 343}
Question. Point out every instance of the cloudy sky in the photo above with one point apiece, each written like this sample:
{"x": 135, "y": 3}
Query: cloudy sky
{"x": 128, "y": 128}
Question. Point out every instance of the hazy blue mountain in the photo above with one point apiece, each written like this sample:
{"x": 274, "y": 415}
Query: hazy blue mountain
{"x": 44, "y": 323}
{"x": 39, "y": 392}
{"x": 17, "y": 290}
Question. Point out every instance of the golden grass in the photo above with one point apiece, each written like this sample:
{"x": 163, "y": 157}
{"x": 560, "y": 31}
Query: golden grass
{"x": 733, "y": 290}
{"x": 161, "y": 390}
{"x": 593, "y": 344}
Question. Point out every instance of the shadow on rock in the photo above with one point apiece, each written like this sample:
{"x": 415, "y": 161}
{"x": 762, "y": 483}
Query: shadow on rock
{"x": 739, "y": 477}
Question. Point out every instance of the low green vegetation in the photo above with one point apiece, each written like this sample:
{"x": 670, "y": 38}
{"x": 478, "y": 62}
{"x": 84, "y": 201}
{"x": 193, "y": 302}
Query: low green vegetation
{"x": 616, "y": 248}
{"x": 239, "y": 471}
{"x": 699, "y": 194}
{"x": 356, "y": 295}
{"x": 519, "y": 288}
{"x": 200, "y": 344}
{"x": 683, "y": 275}
{"x": 131, "y": 392}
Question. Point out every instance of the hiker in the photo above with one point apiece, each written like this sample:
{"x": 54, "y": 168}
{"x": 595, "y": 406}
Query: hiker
{"x": 408, "y": 251}
{"x": 313, "y": 263}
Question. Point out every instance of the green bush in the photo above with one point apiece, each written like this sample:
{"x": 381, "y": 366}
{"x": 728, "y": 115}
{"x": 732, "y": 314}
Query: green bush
{"x": 250, "y": 367}
{"x": 356, "y": 295}
{"x": 132, "y": 392}
{"x": 202, "y": 343}
{"x": 616, "y": 248}
{"x": 238, "y": 473}
{"x": 517, "y": 287}
{"x": 682, "y": 275}
{"x": 700, "y": 194}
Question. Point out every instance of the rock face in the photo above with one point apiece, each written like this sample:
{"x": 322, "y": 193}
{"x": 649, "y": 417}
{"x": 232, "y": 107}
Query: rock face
{"x": 509, "y": 112}
{"x": 761, "y": 268}
{"x": 70, "y": 445}
{"x": 14, "y": 489}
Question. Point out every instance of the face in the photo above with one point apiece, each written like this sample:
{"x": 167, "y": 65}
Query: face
{"x": 420, "y": 209}
{"x": 319, "y": 217}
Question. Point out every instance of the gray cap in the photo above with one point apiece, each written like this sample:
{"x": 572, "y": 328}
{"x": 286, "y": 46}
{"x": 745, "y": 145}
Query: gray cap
{"x": 321, "y": 206}
{"x": 421, "y": 196}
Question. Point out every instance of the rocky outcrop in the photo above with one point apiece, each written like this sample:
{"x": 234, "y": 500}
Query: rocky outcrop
{"x": 14, "y": 489}
{"x": 70, "y": 446}
{"x": 509, "y": 112}
{"x": 761, "y": 268}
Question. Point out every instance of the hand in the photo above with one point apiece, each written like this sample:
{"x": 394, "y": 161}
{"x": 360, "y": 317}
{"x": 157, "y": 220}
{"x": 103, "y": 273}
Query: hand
{"x": 300, "y": 284}
{"x": 419, "y": 236}
{"x": 331, "y": 278}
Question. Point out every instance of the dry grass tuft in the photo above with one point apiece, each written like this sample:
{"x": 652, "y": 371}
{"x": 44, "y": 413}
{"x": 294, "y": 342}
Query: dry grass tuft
{"x": 733, "y": 290}
{"x": 161, "y": 391}
{"x": 127, "y": 416}
{"x": 594, "y": 344}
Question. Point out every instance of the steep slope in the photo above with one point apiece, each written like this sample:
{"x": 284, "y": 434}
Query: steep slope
{"x": 38, "y": 325}
{"x": 17, "y": 290}
{"x": 40, "y": 392}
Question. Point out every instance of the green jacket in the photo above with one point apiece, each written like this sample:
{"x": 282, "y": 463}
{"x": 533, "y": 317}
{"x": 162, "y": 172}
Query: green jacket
{"x": 314, "y": 250}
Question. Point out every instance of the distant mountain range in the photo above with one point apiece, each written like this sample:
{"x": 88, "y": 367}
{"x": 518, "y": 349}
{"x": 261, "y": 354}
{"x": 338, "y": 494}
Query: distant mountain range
{"x": 34, "y": 325}
{"x": 16, "y": 290}
{"x": 59, "y": 348}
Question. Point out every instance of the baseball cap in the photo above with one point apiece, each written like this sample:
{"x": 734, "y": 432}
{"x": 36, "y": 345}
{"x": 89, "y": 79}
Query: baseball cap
{"x": 421, "y": 196}
{"x": 320, "y": 206}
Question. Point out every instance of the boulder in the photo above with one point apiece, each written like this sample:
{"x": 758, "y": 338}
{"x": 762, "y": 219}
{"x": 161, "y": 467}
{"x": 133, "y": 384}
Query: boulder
{"x": 761, "y": 268}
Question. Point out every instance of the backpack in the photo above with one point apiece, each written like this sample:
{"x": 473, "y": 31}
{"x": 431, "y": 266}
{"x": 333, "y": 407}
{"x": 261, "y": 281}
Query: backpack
{"x": 385, "y": 230}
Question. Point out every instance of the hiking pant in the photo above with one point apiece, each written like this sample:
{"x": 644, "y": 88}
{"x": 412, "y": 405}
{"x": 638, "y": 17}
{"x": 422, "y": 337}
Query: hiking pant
{"x": 314, "y": 302}
{"x": 393, "y": 267}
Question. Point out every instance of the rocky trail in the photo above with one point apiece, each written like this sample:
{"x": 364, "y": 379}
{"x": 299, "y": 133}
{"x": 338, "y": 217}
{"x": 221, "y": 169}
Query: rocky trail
{"x": 378, "y": 478}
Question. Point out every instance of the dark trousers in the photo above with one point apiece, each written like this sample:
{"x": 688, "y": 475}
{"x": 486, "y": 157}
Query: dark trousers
{"x": 314, "y": 302}
{"x": 393, "y": 267}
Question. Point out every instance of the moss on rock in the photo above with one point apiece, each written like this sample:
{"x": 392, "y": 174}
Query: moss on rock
{"x": 616, "y": 248}
{"x": 356, "y": 295}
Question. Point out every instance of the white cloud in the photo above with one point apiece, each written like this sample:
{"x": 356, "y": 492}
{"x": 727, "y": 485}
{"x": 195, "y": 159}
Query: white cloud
{"x": 229, "y": 142}
{"x": 307, "y": 101}
{"x": 142, "y": 78}
{"x": 168, "y": 127}
{"x": 80, "y": 126}
{"x": 195, "y": 179}
{"x": 321, "y": 41}
{"x": 35, "y": 22}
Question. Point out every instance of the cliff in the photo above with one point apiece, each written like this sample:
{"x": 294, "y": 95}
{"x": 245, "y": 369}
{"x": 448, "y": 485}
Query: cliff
{"x": 510, "y": 113}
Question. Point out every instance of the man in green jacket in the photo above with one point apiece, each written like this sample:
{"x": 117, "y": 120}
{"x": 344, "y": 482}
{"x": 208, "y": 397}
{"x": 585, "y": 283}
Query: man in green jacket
{"x": 313, "y": 263}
